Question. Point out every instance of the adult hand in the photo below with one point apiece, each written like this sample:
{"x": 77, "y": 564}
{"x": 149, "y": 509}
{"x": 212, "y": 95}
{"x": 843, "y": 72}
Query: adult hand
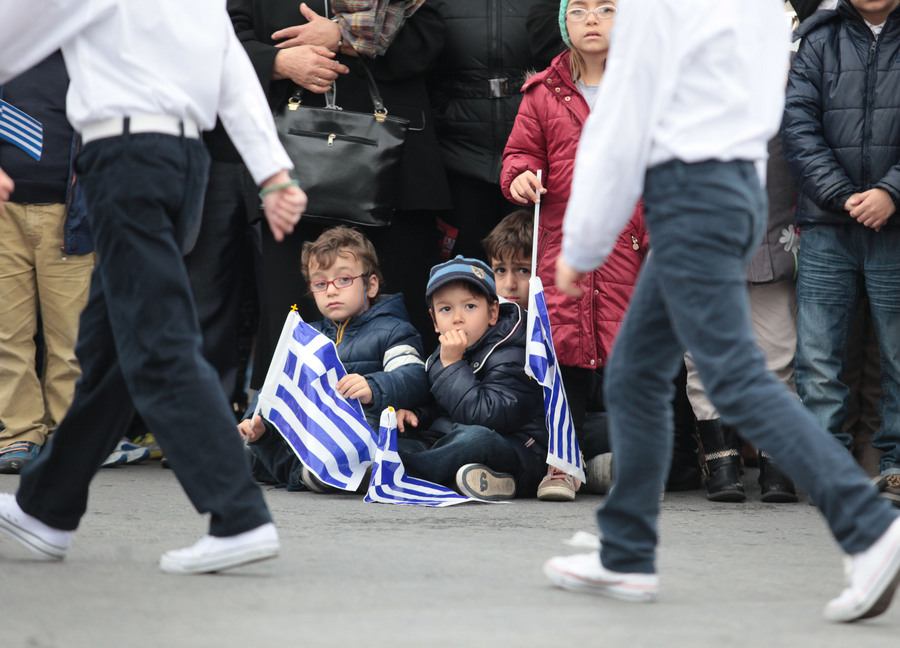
{"x": 6, "y": 187}
{"x": 252, "y": 431}
{"x": 284, "y": 206}
{"x": 355, "y": 386}
{"x": 406, "y": 418}
{"x": 871, "y": 208}
{"x": 318, "y": 30}
{"x": 311, "y": 66}
{"x": 453, "y": 346}
{"x": 527, "y": 188}
{"x": 567, "y": 279}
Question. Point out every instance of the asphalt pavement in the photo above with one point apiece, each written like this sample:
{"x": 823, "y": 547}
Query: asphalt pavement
{"x": 358, "y": 574}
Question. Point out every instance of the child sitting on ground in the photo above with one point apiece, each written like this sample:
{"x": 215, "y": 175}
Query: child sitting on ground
{"x": 483, "y": 431}
{"x": 377, "y": 345}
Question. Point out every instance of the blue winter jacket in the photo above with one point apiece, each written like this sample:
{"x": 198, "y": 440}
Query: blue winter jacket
{"x": 841, "y": 131}
{"x": 488, "y": 387}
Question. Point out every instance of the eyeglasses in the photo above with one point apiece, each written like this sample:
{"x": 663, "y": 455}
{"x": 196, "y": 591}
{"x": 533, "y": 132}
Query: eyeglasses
{"x": 338, "y": 282}
{"x": 603, "y": 12}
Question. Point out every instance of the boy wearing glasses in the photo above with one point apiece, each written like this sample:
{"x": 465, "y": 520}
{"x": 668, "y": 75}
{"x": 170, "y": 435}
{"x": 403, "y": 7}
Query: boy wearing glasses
{"x": 380, "y": 349}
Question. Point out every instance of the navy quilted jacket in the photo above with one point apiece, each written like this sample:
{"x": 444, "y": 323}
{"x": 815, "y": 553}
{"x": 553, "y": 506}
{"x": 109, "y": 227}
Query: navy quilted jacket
{"x": 841, "y": 131}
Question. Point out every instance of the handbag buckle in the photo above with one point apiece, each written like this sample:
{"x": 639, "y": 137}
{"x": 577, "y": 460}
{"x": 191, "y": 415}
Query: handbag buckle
{"x": 381, "y": 115}
{"x": 293, "y": 102}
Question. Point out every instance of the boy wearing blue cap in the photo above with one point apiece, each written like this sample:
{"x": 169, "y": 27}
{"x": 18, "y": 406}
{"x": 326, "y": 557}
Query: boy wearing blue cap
{"x": 483, "y": 431}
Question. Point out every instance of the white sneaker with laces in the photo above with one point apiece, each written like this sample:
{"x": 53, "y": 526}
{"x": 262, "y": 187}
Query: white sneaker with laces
{"x": 585, "y": 573}
{"x": 214, "y": 553}
{"x": 872, "y": 578}
{"x": 31, "y": 532}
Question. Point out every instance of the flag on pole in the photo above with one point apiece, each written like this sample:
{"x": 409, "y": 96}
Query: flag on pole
{"x": 391, "y": 485}
{"x": 541, "y": 364}
{"x": 21, "y": 130}
{"x": 327, "y": 431}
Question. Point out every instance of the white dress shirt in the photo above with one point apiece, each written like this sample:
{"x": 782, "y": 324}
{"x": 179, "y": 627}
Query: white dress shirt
{"x": 179, "y": 58}
{"x": 693, "y": 81}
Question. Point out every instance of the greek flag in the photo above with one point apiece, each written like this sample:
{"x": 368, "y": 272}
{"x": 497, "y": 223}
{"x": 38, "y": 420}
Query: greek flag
{"x": 540, "y": 363}
{"x": 391, "y": 485}
{"x": 19, "y": 129}
{"x": 327, "y": 432}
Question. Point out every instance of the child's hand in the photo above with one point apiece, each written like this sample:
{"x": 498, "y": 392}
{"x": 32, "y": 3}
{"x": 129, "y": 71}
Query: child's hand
{"x": 252, "y": 431}
{"x": 871, "y": 208}
{"x": 404, "y": 418}
{"x": 527, "y": 188}
{"x": 453, "y": 345}
{"x": 355, "y": 386}
{"x": 6, "y": 187}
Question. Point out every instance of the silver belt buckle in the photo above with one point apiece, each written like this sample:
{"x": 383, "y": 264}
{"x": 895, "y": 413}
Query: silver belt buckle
{"x": 499, "y": 88}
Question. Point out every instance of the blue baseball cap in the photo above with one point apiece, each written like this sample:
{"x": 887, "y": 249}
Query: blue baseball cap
{"x": 460, "y": 268}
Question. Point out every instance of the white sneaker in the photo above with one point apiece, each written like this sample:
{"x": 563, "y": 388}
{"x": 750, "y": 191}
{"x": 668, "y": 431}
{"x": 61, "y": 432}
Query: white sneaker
{"x": 585, "y": 573}
{"x": 872, "y": 578}
{"x": 126, "y": 452}
{"x": 31, "y": 532}
{"x": 598, "y": 473}
{"x": 213, "y": 553}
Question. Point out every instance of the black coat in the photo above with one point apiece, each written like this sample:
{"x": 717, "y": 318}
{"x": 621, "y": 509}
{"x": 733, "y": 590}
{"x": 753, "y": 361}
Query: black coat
{"x": 399, "y": 75}
{"x": 841, "y": 131}
{"x": 485, "y": 39}
{"x": 488, "y": 387}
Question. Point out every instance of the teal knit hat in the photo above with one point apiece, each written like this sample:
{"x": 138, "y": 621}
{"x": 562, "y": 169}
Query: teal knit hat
{"x": 563, "y": 5}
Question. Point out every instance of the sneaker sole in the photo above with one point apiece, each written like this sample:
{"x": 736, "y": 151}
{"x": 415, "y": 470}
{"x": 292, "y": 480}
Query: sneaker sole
{"x": 880, "y": 596}
{"x": 498, "y": 487}
{"x": 32, "y": 541}
{"x": 221, "y": 561}
{"x": 616, "y": 590}
{"x": 556, "y": 494}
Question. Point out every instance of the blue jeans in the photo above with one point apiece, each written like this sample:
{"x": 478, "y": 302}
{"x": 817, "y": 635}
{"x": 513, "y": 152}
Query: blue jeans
{"x": 464, "y": 444}
{"x": 836, "y": 264}
{"x": 705, "y": 221}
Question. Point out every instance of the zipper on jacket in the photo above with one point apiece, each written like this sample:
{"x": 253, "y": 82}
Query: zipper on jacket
{"x": 871, "y": 74}
{"x": 330, "y": 138}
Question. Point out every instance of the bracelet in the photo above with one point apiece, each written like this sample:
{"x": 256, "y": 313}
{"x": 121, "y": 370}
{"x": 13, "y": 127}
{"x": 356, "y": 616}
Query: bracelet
{"x": 279, "y": 187}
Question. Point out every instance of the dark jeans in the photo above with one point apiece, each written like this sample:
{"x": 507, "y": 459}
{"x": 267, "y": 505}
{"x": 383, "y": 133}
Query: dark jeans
{"x": 139, "y": 343}
{"x": 836, "y": 265}
{"x": 705, "y": 221}
{"x": 464, "y": 444}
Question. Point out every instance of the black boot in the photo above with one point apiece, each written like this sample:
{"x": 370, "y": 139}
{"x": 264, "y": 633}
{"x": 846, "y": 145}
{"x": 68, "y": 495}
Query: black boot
{"x": 723, "y": 462}
{"x": 775, "y": 486}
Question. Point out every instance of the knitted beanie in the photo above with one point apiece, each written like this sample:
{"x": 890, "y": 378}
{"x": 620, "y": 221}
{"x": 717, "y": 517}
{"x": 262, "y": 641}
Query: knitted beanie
{"x": 563, "y": 5}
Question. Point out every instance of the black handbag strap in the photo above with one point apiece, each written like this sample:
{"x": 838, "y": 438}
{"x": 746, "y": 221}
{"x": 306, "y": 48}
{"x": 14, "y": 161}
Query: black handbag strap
{"x": 377, "y": 102}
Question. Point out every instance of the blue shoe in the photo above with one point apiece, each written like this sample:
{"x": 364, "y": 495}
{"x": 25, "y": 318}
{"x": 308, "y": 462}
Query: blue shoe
{"x": 126, "y": 452}
{"x": 15, "y": 456}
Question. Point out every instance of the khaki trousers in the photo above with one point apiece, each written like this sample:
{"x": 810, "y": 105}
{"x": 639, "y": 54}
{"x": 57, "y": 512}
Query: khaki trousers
{"x": 773, "y": 308}
{"x": 37, "y": 278}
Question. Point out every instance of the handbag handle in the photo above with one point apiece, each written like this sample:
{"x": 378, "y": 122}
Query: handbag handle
{"x": 380, "y": 111}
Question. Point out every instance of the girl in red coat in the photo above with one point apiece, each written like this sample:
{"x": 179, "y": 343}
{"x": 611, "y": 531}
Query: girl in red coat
{"x": 545, "y": 137}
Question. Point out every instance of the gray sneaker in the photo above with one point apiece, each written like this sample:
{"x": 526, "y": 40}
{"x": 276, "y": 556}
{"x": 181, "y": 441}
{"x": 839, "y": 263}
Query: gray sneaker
{"x": 480, "y": 482}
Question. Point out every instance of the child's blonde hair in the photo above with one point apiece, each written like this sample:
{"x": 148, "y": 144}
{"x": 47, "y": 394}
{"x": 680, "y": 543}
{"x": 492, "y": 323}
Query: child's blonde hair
{"x": 325, "y": 250}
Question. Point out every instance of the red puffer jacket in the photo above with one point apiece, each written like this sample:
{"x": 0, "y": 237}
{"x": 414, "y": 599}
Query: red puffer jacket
{"x": 545, "y": 136}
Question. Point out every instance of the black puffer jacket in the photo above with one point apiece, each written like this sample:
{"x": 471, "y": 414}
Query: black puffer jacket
{"x": 841, "y": 130}
{"x": 489, "y": 387}
{"x": 485, "y": 39}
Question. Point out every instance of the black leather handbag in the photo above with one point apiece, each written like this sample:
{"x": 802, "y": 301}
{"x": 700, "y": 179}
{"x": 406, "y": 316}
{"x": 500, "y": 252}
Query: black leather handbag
{"x": 348, "y": 163}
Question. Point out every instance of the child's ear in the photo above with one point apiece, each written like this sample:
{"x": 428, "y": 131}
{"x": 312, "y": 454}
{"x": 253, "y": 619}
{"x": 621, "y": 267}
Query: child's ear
{"x": 494, "y": 312}
{"x": 372, "y": 287}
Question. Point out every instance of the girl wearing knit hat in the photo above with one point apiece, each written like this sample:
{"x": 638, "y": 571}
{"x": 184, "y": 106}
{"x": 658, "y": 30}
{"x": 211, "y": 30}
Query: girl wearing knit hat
{"x": 545, "y": 137}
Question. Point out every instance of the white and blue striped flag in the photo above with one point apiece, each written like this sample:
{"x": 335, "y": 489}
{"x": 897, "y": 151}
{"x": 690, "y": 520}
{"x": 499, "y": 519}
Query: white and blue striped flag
{"x": 327, "y": 431}
{"x": 21, "y": 130}
{"x": 541, "y": 364}
{"x": 391, "y": 485}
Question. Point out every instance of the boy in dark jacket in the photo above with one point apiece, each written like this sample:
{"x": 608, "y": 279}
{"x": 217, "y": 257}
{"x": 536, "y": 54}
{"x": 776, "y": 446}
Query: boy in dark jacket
{"x": 842, "y": 141}
{"x": 483, "y": 431}
{"x": 377, "y": 345}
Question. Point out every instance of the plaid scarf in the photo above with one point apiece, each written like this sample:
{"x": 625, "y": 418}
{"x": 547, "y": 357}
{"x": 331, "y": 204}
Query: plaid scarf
{"x": 371, "y": 25}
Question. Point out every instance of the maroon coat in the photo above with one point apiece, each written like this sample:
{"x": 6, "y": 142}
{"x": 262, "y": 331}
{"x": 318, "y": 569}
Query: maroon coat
{"x": 545, "y": 136}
